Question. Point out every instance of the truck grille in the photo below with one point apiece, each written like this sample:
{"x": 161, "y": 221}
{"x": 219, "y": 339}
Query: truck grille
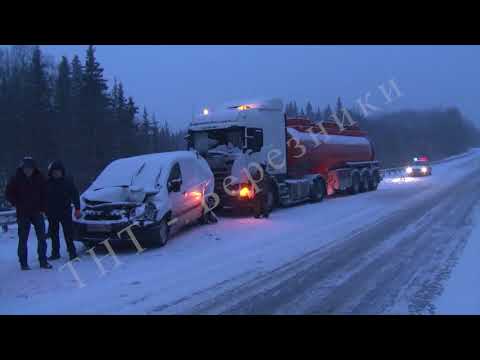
{"x": 219, "y": 178}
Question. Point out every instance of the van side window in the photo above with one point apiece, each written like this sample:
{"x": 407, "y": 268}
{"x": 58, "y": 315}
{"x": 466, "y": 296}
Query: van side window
{"x": 175, "y": 173}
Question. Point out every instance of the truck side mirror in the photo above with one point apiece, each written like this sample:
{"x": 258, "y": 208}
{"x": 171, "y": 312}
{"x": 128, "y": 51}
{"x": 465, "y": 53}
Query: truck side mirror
{"x": 254, "y": 139}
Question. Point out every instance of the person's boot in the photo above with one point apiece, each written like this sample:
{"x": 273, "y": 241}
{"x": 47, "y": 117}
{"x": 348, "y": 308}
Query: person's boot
{"x": 54, "y": 257}
{"x": 45, "y": 265}
{"x": 25, "y": 267}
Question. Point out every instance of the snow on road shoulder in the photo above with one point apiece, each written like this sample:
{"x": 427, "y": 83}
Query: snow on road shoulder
{"x": 462, "y": 293}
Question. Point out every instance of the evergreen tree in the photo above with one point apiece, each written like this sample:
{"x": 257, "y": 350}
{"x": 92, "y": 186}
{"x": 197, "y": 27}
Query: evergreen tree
{"x": 309, "y": 111}
{"x": 156, "y": 141}
{"x": 294, "y": 109}
{"x": 95, "y": 104}
{"x": 327, "y": 114}
{"x": 339, "y": 109}
{"x": 288, "y": 109}
{"x": 62, "y": 106}
{"x": 39, "y": 109}
{"x": 145, "y": 128}
{"x": 318, "y": 115}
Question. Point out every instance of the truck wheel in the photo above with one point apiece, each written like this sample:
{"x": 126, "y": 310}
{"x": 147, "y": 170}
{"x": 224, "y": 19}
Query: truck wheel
{"x": 365, "y": 186}
{"x": 374, "y": 182}
{"x": 317, "y": 191}
{"x": 355, "y": 188}
{"x": 270, "y": 200}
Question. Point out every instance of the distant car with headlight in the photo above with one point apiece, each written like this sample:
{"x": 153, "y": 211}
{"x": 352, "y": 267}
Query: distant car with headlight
{"x": 419, "y": 167}
{"x": 154, "y": 194}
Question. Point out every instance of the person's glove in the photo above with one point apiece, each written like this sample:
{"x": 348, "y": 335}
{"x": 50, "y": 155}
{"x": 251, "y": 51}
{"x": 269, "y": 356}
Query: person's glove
{"x": 77, "y": 214}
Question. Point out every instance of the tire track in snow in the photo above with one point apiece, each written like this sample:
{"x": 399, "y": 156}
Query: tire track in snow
{"x": 314, "y": 283}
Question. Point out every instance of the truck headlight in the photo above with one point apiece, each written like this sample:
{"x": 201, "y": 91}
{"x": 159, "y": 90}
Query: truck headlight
{"x": 409, "y": 170}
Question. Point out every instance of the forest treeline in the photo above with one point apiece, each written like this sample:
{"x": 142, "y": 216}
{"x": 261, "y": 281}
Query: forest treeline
{"x": 67, "y": 111}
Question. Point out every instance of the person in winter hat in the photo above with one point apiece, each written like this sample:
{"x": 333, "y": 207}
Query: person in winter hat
{"x": 26, "y": 191}
{"x": 61, "y": 194}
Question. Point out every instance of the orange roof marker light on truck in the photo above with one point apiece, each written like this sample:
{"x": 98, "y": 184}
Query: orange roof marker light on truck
{"x": 245, "y": 107}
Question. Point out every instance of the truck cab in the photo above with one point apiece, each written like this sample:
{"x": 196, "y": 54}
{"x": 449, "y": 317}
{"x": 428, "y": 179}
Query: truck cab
{"x": 238, "y": 136}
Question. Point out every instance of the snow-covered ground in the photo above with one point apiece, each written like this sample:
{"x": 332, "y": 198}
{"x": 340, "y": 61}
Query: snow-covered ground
{"x": 462, "y": 293}
{"x": 202, "y": 265}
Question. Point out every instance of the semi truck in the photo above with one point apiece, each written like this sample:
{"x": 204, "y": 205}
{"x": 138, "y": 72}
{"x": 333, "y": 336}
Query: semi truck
{"x": 304, "y": 160}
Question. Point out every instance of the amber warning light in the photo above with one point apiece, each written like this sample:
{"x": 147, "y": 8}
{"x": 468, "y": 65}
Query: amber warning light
{"x": 245, "y": 192}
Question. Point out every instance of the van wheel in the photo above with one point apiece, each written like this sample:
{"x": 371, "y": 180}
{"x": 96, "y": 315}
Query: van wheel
{"x": 162, "y": 234}
{"x": 365, "y": 186}
{"x": 355, "y": 188}
{"x": 317, "y": 191}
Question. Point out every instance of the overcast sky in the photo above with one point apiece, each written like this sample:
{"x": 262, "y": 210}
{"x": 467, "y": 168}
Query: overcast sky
{"x": 170, "y": 80}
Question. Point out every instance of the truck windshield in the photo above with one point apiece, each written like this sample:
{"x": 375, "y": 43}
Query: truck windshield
{"x": 218, "y": 140}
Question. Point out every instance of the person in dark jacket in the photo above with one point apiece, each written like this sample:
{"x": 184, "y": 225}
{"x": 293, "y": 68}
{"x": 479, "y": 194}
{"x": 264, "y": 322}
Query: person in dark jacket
{"x": 260, "y": 201}
{"x": 61, "y": 194}
{"x": 26, "y": 191}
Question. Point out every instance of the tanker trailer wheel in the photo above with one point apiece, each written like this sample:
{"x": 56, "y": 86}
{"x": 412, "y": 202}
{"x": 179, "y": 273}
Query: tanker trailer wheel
{"x": 317, "y": 192}
{"x": 374, "y": 182}
{"x": 365, "y": 185}
{"x": 355, "y": 188}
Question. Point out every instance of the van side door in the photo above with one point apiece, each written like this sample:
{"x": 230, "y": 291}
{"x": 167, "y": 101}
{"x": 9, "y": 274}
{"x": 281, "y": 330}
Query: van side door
{"x": 193, "y": 189}
{"x": 175, "y": 193}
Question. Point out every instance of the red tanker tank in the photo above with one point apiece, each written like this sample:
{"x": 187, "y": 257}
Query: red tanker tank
{"x": 312, "y": 149}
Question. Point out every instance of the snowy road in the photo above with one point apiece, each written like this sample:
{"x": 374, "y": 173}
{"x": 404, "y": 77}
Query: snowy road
{"x": 388, "y": 251}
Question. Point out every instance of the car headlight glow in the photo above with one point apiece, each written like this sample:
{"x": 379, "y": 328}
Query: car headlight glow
{"x": 409, "y": 170}
{"x": 424, "y": 169}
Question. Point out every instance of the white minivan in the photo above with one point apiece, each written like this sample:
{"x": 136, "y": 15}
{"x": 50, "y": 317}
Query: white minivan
{"x": 155, "y": 194}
